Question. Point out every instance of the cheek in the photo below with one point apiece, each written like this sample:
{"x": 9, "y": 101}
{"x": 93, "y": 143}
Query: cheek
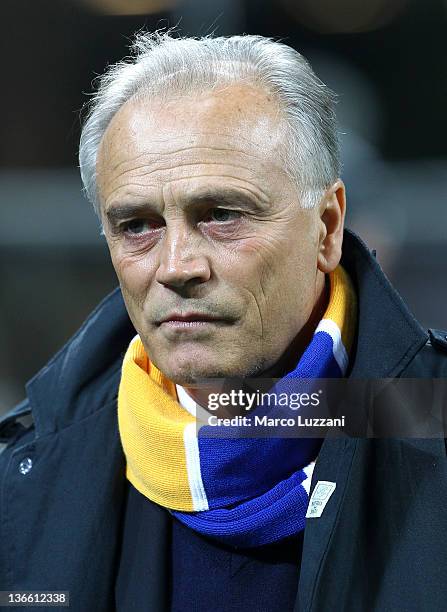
{"x": 134, "y": 274}
{"x": 268, "y": 262}
{"x": 280, "y": 273}
{"x": 259, "y": 269}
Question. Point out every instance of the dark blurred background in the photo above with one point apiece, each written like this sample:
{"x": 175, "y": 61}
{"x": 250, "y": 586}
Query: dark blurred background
{"x": 387, "y": 59}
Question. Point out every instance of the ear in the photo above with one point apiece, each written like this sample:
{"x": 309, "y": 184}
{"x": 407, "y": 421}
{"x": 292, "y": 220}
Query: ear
{"x": 332, "y": 210}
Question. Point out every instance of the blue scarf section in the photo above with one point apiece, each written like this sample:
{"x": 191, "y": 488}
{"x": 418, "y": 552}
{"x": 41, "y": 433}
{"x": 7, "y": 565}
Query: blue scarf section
{"x": 249, "y": 492}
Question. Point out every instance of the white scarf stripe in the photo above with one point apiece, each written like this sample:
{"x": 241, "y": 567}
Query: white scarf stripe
{"x": 339, "y": 350}
{"x": 199, "y": 499}
{"x": 308, "y": 470}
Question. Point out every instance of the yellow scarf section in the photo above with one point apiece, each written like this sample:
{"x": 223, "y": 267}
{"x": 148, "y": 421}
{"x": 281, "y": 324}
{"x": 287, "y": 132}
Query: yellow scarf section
{"x": 342, "y": 307}
{"x": 155, "y": 429}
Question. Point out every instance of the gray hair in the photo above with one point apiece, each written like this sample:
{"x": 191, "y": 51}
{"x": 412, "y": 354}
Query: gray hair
{"x": 161, "y": 64}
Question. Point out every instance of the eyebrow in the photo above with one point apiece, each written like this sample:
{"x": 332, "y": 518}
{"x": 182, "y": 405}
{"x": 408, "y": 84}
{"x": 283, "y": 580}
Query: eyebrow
{"x": 228, "y": 196}
{"x": 118, "y": 212}
{"x": 121, "y": 211}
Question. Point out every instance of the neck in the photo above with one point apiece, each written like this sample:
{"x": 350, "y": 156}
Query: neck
{"x": 296, "y": 348}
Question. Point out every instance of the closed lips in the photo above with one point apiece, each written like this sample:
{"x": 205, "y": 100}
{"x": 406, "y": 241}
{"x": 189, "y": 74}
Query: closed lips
{"x": 193, "y": 317}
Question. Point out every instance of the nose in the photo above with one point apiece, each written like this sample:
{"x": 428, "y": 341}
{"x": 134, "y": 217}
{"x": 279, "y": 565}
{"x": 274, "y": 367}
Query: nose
{"x": 181, "y": 262}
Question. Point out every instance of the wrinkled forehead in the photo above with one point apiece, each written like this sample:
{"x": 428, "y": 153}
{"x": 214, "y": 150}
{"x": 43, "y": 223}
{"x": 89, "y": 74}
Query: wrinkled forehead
{"x": 236, "y": 119}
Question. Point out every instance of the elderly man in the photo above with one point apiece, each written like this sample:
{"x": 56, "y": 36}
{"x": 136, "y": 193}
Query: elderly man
{"x": 214, "y": 168}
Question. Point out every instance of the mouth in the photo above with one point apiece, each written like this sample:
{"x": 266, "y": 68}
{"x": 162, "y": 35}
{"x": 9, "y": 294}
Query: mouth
{"x": 193, "y": 320}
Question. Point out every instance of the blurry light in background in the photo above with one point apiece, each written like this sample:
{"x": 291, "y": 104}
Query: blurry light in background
{"x": 359, "y": 107}
{"x": 343, "y": 16}
{"x": 129, "y": 7}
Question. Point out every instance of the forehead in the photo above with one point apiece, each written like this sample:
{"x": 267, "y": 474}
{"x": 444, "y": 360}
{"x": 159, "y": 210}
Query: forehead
{"x": 237, "y": 120}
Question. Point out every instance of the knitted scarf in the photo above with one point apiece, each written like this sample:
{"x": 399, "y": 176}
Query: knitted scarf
{"x": 242, "y": 491}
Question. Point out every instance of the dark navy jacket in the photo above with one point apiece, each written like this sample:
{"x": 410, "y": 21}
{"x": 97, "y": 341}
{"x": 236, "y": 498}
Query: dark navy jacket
{"x": 381, "y": 543}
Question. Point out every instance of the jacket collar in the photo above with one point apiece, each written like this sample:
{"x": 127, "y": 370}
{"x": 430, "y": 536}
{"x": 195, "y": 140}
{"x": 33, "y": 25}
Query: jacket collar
{"x": 388, "y": 335}
{"x": 84, "y": 375}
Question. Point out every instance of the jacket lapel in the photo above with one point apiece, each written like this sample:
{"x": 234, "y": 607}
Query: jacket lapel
{"x": 387, "y": 340}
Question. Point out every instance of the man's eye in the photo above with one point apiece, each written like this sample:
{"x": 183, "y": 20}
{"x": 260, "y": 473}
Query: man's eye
{"x": 222, "y": 214}
{"x": 138, "y": 226}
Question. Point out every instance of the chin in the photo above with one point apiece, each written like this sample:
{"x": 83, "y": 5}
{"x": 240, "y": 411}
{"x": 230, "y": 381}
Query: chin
{"x": 193, "y": 373}
{"x": 189, "y": 365}
{"x": 188, "y": 376}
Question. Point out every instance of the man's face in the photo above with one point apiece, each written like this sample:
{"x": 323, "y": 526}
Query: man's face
{"x": 216, "y": 259}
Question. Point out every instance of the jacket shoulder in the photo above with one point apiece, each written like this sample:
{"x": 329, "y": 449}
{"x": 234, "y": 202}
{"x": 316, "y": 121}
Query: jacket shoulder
{"x": 438, "y": 339}
{"x": 431, "y": 360}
